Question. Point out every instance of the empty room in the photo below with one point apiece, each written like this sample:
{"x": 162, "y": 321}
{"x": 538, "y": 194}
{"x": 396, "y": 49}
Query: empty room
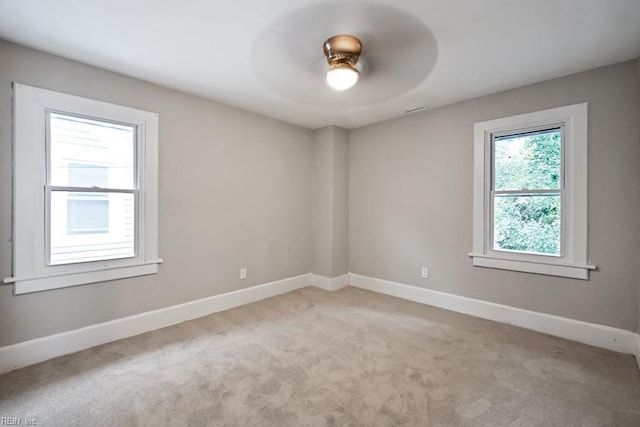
{"x": 317, "y": 213}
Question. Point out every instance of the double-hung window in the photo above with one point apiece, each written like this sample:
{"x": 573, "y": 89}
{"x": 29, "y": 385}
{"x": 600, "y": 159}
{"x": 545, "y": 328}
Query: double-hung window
{"x": 85, "y": 191}
{"x": 530, "y": 193}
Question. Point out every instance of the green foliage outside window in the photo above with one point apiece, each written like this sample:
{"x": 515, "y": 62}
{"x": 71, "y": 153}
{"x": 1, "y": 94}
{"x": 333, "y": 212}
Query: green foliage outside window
{"x": 528, "y": 222}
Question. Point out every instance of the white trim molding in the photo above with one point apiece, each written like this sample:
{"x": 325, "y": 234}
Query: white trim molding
{"x": 40, "y": 349}
{"x": 573, "y": 258}
{"x": 575, "y": 271}
{"x": 80, "y": 277}
{"x": 615, "y": 339}
{"x": 33, "y": 270}
{"x": 330, "y": 284}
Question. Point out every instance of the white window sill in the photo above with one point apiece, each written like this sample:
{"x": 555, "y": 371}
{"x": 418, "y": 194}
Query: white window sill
{"x": 26, "y": 285}
{"x": 571, "y": 270}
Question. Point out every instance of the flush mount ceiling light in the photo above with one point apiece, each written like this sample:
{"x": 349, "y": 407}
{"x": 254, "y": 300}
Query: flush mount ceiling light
{"x": 342, "y": 52}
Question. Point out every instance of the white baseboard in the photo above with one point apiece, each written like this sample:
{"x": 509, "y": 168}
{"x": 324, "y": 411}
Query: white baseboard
{"x": 41, "y": 349}
{"x": 328, "y": 284}
{"x": 602, "y": 336}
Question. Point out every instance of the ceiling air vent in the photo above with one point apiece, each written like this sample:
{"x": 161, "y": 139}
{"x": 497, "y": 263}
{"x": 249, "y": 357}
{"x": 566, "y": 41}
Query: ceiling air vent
{"x": 414, "y": 109}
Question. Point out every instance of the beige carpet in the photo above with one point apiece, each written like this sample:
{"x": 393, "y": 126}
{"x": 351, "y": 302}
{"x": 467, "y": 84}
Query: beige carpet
{"x": 317, "y": 358}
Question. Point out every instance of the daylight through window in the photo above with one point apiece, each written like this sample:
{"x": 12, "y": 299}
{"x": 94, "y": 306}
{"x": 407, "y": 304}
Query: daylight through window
{"x": 527, "y": 192}
{"x": 530, "y": 193}
{"x": 85, "y": 191}
{"x": 92, "y": 189}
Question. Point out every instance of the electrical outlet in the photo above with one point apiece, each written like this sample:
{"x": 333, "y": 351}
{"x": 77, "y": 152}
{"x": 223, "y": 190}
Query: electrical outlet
{"x": 243, "y": 273}
{"x": 425, "y": 273}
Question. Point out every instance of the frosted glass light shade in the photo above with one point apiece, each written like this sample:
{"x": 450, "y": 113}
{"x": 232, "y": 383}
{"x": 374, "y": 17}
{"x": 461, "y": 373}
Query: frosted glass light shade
{"x": 342, "y": 76}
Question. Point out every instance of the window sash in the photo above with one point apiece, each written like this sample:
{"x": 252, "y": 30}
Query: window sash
{"x": 538, "y": 193}
{"x": 490, "y": 189}
{"x": 135, "y": 191}
{"x": 136, "y": 144}
{"x": 527, "y": 131}
{"x": 137, "y": 222}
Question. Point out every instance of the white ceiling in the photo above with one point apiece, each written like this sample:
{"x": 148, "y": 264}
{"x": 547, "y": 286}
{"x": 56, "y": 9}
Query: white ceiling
{"x": 266, "y": 56}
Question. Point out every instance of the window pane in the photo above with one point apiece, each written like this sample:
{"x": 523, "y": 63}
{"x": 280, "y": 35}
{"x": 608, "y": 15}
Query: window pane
{"x": 528, "y": 161}
{"x": 527, "y": 223}
{"x": 87, "y": 215}
{"x": 82, "y": 173}
{"x": 89, "y": 226}
{"x": 91, "y": 153}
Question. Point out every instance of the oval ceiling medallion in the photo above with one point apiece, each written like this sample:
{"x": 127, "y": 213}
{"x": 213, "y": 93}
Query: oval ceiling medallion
{"x": 398, "y": 49}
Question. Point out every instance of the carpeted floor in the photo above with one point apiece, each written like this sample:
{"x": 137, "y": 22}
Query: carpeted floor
{"x": 317, "y": 358}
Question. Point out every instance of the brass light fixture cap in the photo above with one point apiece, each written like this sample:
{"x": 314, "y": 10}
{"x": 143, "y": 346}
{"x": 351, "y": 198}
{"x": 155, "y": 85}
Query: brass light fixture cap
{"x": 342, "y": 48}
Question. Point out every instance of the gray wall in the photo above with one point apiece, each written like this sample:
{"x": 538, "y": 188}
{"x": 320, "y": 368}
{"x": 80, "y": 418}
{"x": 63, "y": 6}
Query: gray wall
{"x": 340, "y": 182}
{"x": 410, "y": 201}
{"x": 330, "y": 202}
{"x": 403, "y": 185}
{"x": 218, "y": 167}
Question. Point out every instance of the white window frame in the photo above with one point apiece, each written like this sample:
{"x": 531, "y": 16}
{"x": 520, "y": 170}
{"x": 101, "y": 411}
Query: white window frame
{"x": 30, "y": 270}
{"x": 573, "y": 261}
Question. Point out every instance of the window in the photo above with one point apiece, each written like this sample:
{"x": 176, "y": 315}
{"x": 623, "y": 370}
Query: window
{"x": 91, "y": 188}
{"x": 85, "y": 191}
{"x": 526, "y": 191}
{"x": 87, "y": 212}
{"x": 530, "y": 193}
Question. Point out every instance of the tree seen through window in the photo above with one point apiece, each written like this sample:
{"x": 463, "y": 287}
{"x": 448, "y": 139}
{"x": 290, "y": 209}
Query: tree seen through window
{"x": 527, "y": 192}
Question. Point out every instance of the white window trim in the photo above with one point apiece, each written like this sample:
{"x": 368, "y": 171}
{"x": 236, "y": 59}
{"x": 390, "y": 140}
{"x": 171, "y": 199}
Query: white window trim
{"x": 573, "y": 261}
{"x": 30, "y": 272}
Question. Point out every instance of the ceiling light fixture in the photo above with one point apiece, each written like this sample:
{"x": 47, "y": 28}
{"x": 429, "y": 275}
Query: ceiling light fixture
{"x": 342, "y": 52}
